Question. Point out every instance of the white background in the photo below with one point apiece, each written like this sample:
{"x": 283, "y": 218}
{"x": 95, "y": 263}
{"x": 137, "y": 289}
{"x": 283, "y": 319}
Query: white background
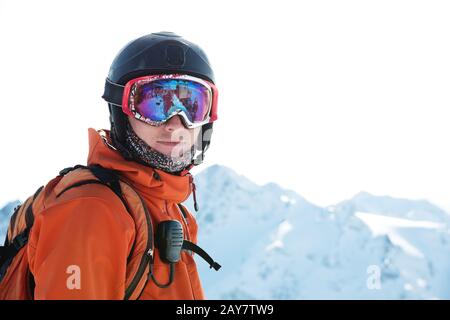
{"x": 323, "y": 97}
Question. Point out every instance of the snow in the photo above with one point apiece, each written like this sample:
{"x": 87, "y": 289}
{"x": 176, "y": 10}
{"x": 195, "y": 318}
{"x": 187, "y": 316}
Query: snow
{"x": 385, "y": 225}
{"x": 377, "y": 221}
{"x": 286, "y": 199}
{"x": 284, "y": 228}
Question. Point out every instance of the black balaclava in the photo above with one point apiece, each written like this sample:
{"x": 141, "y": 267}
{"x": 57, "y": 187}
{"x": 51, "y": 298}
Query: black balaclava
{"x": 155, "y": 159}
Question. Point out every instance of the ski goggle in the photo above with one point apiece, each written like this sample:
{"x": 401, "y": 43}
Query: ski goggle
{"x": 155, "y": 99}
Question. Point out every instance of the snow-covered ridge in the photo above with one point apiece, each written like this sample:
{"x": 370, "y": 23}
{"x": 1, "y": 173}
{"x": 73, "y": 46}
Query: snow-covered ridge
{"x": 274, "y": 244}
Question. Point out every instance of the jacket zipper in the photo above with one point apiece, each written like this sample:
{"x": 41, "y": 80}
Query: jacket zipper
{"x": 188, "y": 238}
{"x": 186, "y": 223}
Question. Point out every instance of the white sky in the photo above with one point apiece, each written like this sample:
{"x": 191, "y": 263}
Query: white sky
{"x": 323, "y": 97}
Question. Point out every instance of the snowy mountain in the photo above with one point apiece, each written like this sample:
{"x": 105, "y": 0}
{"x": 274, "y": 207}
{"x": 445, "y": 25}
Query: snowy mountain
{"x": 274, "y": 244}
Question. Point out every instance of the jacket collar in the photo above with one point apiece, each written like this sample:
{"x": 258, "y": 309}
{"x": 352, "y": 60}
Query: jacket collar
{"x": 150, "y": 182}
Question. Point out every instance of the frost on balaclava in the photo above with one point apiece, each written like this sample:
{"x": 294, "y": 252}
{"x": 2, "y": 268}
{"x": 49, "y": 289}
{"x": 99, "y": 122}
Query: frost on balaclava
{"x": 146, "y": 154}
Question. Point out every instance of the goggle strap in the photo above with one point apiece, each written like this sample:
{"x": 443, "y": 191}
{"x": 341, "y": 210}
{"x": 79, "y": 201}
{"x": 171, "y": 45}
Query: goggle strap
{"x": 113, "y": 92}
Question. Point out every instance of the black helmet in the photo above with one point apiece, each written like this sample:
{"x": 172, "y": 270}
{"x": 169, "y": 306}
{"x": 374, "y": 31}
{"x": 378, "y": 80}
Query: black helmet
{"x": 155, "y": 53}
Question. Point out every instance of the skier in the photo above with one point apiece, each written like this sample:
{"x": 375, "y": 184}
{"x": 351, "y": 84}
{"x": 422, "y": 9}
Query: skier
{"x": 115, "y": 228}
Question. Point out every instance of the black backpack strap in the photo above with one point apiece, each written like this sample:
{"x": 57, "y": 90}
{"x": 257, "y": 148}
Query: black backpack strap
{"x": 29, "y": 215}
{"x": 106, "y": 177}
{"x": 65, "y": 171}
{"x": 10, "y": 250}
{"x": 14, "y": 246}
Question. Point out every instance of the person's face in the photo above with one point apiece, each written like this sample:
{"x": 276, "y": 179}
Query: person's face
{"x": 171, "y": 138}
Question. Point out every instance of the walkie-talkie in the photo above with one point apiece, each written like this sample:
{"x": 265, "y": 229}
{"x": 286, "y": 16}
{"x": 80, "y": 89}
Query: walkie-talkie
{"x": 170, "y": 241}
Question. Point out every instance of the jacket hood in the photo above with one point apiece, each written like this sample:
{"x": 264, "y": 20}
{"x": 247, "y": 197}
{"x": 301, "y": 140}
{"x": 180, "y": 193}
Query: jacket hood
{"x": 150, "y": 182}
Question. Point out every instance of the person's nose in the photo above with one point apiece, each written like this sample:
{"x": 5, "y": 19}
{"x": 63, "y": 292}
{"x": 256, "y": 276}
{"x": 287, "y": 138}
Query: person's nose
{"x": 174, "y": 123}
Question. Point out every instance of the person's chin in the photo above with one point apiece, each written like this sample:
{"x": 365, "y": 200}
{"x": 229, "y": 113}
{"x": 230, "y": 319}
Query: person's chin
{"x": 170, "y": 149}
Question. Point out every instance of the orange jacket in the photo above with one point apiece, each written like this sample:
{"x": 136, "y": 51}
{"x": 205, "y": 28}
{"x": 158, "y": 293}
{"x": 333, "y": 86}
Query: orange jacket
{"x": 89, "y": 228}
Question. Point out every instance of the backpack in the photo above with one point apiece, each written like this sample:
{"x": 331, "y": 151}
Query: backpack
{"x": 16, "y": 280}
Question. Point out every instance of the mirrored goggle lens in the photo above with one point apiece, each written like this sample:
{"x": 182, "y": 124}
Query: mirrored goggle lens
{"x": 158, "y": 99}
